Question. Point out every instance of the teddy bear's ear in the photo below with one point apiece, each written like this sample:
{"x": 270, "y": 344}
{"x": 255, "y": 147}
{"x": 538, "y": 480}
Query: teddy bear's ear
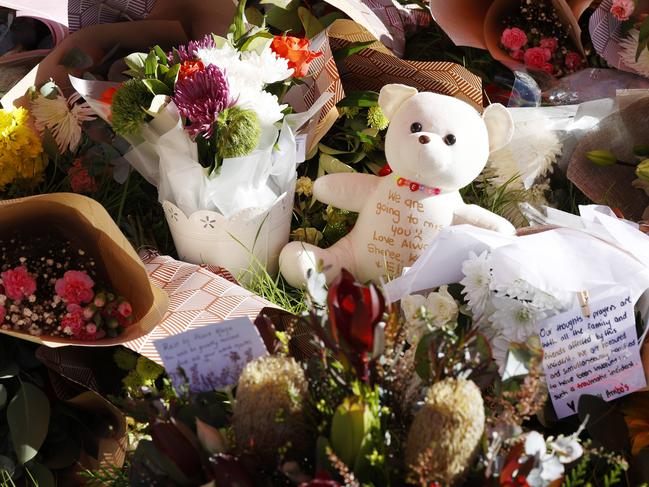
{"x": 392, "y": 97}
{"x": 500, "y": 126}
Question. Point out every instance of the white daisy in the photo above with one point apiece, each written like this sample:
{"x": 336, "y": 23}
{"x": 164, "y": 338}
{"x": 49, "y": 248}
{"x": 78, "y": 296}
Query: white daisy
{"x": 63, "y": 118}
{"x": 628, "y": 48}
{"x": 477, "y": 281}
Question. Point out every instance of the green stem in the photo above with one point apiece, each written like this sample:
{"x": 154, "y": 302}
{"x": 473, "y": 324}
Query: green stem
{"x": 122, "y": 200}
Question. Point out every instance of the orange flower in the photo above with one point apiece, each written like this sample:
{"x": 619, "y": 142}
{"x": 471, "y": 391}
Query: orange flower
{"x": 636, "y": 415}
{"x": 190, "y": 68}
{"x": 296, "y": 51}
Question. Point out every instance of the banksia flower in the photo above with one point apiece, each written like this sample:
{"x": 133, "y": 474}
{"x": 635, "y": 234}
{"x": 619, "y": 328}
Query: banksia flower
{"x": 269, "y": 409}
{"x": 445, "y": 434}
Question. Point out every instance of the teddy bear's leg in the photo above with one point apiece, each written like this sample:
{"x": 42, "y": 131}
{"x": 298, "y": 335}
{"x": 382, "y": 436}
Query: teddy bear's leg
{"x": 298, "y": 257}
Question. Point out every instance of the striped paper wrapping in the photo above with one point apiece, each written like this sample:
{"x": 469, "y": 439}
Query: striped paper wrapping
{"x": 198, "y": 297}
{"x": 375, "y": 66}
{"x": 606, "y": 35}
{"x": 89, "y": 12}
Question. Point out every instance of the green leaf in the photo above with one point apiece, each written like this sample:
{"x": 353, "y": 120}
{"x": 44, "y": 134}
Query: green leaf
{"x": 151, "y": 65}
{"x": 311, "y": 24}
{"x": 41, "y": 475}
{"x": 284, "y": 20}
{"x": 643, "y": 38}
{"x": 285, "y": 4}
{"x": 136, "y": 62}
{"x": 257, "y": 42}
{"x": 254, "y": 16}
{"x": 352, "y": 49}
{"x": 157, "y": 87}
{"x": 28, "y": 416}
{"x": 327, "y": 20}
{"x": 172, "y": 76}
{"x": 331, "y": 165}
{"x": 162, "y": 56}
{"x": 362, "y": 99}
{"x": 331, "y": 151}
{"x": 422, "y": 356}
{"x": 75, "y": 58}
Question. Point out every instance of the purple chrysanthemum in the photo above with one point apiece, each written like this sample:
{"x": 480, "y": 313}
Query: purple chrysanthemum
{"x": 201, "y": 97}
{"x": 190, "y": 51}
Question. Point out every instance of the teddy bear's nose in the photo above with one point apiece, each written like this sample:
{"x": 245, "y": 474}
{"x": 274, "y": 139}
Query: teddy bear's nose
{"x": 424, "y": 139}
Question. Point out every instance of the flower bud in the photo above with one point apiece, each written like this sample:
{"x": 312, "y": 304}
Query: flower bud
{"x": 601, "y": 158}
{"x": 89, "y": 312}
{"x": 349, "y": 429}
{"x": 112, "y": 323}
{"x": 100, "y": 300}
{"x": 642, "y": 170}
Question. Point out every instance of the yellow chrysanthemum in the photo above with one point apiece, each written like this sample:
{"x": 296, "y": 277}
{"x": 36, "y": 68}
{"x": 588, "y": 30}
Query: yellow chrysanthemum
{"x": 21, "y": 151}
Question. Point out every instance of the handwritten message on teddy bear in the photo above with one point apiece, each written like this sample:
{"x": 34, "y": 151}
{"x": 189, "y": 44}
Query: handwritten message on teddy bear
{"x": 399, "y": 241}
{"x": 212, "y": 356}
{"x": 596, "y": 355}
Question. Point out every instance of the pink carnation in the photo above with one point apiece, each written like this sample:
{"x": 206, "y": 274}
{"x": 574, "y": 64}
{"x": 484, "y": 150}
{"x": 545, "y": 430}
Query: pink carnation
{"x": 75, "y": 287}
{"x": 80, "y": 179}
{"x": 73, "y": 322}
{"x": 537, "y": 57}
{"x": 125, "y": 309}
{"x": 513, "y": 39}
{"x": 573, "y": 60}
{"x": 18, "y": 283}
{"x": 622, "y": 9}
{"x": 518, "y": 55}
{"x": 551, "y": 43}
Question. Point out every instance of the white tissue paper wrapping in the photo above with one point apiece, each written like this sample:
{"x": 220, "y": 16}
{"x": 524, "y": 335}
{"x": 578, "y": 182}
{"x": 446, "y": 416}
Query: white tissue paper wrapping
{"x": 165, "y": 155}
{"x": 591, "y": 252}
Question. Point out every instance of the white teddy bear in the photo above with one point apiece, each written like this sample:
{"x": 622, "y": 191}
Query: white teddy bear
{"x": 435, "y": 145}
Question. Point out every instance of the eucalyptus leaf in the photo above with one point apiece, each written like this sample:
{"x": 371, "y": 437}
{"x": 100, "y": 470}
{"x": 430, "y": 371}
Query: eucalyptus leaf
{"x": 331, "y": 165}
{"x": 311, "y": 24}
{"x": 28, "y": 416}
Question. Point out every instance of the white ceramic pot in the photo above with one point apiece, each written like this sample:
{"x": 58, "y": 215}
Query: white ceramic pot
{"x": 241, "y": 243}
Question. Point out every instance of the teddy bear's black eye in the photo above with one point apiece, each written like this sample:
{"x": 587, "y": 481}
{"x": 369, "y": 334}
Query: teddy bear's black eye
{"x": 415, "y": 127}
{"x": 450, "y": 139}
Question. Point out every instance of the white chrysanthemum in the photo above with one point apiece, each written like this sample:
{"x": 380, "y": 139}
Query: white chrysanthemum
{"x": 516, "y": 319}
{"x": 264, "y": 104}
{"x": 63, "y": 118}
{"x": 269, "y": 66}
{"x": 477, "y": 281}
{"x": 628, "y": 48}
{"x": 223, "y": 57}
{"x": 528, "y": 156}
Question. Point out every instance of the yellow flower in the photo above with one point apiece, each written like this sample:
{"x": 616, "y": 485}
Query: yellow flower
{"x": 304, "y": 186}
{"x": 21, "y": 151}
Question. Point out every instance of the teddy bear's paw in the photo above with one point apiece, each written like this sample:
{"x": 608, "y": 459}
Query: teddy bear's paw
{"x": 298, "y": 258}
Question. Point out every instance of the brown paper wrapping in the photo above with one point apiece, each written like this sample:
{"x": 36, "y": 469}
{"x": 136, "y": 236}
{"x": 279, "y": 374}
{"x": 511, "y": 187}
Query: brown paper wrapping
{"x": 479, "y": 23}
{"x": 375, "y": 66}
{"x": 91, "y": 223}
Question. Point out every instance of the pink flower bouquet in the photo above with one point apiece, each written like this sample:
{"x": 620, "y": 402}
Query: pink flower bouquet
{"x": 68, "y": 276}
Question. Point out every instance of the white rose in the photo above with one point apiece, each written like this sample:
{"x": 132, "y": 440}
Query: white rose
{"x": 440, "y": 308}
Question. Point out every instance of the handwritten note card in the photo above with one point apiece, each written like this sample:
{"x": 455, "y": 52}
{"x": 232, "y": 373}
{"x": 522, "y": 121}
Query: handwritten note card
{"x": 598, "y": 355}
{"x": 213, "y": 356}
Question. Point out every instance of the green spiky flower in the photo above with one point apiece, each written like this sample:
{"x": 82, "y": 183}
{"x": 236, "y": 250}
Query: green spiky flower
{"x": 238, "y": 132}
{"x": 376, "y": 119}
{"x": 129, "y": 102}
{"x": 148, "y": 369}
{"x": 348, "y": 112}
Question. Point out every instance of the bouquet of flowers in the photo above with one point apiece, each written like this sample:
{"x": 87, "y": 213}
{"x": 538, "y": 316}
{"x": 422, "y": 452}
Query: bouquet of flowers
{"x": 209, "y": 130}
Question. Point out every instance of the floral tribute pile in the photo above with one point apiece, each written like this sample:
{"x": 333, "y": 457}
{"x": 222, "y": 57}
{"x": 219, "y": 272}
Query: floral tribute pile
{"x": 51, "y": 285}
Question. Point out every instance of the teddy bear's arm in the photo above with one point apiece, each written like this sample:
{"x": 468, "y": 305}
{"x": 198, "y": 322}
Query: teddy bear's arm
{"x": 347, "y": 191}
{"x": 479, "y": 217}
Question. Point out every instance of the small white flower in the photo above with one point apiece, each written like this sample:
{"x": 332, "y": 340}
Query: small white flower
{"x": 269, "y": 66}
{"x": 415, "y": 327}
{"x": 547, "y": 467}
{"x": 63, "y": 118}
{"x": 477, "y": 281}
{"x": 516, "y": 319}
{"x": 567, "y": 448}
